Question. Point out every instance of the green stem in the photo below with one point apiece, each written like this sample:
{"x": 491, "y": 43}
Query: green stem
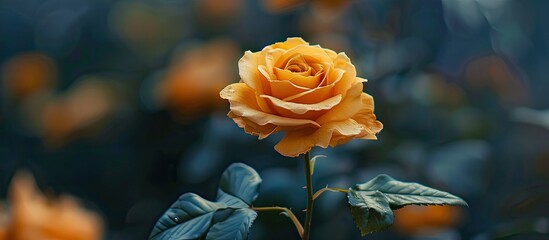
{"x": 310, "y": 199}
{"x": 287, "y": 211}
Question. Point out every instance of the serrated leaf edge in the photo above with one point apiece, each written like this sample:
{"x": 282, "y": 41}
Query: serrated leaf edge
{"x": 387, "y": 178}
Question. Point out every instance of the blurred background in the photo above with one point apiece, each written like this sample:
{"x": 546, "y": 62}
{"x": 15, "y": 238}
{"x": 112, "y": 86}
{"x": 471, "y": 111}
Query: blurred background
{"x": 116, "y": 103}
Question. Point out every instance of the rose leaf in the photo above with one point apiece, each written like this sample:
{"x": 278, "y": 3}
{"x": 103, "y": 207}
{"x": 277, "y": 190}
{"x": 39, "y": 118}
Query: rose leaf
{"x": 400, "y": 194}
{"x": 236, "y": 226}
{"x": 372, "y": 202}
{"x": 230, "y": 217}
{"x": 370, "y": 211}
{"x": 188, "y": 218}
{"x": 241, "y": 181}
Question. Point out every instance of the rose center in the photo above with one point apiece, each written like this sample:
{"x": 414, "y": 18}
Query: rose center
{"x": 297, "y": 68}
{"x": 298, "y": 64}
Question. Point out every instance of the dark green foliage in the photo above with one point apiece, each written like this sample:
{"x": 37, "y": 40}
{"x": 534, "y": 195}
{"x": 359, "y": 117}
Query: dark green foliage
{"x": 192, "y": 217}
{"x": 372, "y": 202}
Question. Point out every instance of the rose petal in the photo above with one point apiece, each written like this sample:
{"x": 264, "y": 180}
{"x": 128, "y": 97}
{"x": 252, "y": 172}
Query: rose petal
{"x": 311, "y": 96}
{"x": 243, "y": 103}
{"x": 341, "y": 139}
{"x": 285, "y": 74}
{"x": 252, "y": 128}
{"x": 295, "y": 143}
{"x": 283, "y": 89}
{"x": 308, "y": 82}
{"x": 313, "y": 54}
{"x": 367, "y": 118}
{"x": 350, "y": 105}
{"x": 288, "y": 44}
{"x": 298, "y": 70}
{"x": 318, "y": 94}
{"x": 331, "y": 53}
{"x": 263, "y": 105}
{"x": 361, "y": 79}
{"x": 349, "y": 77}
{"x": 298, "y": 62}
{"x": 266, "y": 73}
{"x": 316, "y": 68}
{"x": 271, "y": 57}
{"x": 300, "y": 108}
{"x": 250, "y": 74}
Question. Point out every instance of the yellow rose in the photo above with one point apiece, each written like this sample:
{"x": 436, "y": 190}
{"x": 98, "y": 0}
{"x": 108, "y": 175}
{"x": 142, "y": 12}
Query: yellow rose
{"x": 311, "y": 93}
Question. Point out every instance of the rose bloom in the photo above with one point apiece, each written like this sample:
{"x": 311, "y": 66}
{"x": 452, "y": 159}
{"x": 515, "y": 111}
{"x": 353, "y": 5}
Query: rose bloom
{"x": 311, "y": 93}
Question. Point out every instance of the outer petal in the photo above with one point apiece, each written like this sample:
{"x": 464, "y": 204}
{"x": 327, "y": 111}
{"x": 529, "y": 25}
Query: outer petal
{"x": 350, "y": 105}
{"x": 295, "y": 143}
{"x": 248, "y": 67}
{"x": 367, "y": 118}
{"x": 288, "y": 44}
{"x": 331, "y": 53}
{"x": 349, "y": 77}
{"x": 253, "y": 128}
{"x": 243, "y": 103}
{"x": 300, "y": 108}
{"x": 271, "y": 57}
{"x": 301, "y": 111}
